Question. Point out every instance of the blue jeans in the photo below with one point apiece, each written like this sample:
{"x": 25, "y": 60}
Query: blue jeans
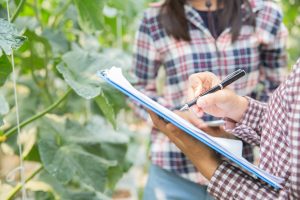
{"x": 165, "y": 185}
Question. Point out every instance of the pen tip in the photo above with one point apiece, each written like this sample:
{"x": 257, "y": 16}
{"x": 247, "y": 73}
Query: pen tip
{"x": 185, "y": 107}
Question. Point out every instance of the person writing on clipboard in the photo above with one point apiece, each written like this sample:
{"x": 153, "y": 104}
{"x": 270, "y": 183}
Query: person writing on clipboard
{"x": 190, "y": 36}
{"x": 274, "y": 127}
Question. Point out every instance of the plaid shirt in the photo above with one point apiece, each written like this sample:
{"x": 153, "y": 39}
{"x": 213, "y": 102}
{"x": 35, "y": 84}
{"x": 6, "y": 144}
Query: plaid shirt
{"x": 260, "y": 52}
{"x": 276, "y": 129}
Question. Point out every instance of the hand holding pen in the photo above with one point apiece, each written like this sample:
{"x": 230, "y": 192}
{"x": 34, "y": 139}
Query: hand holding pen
{"x": 227, "y": 81}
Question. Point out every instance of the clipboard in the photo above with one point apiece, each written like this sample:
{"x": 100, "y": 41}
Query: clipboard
{"x": 115, "y": 78}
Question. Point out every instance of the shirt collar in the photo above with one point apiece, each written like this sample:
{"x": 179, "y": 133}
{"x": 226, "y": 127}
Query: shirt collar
{"x": 194, "y": 17}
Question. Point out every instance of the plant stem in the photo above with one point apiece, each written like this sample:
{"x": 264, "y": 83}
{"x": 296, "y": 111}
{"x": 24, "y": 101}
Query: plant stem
{"x": 38, "y": 13}
{"x": 35, "y": 117}
{"x": 60, "y": 12}
{"x": 19, "y": 186}
{"x": 18, "y": 10}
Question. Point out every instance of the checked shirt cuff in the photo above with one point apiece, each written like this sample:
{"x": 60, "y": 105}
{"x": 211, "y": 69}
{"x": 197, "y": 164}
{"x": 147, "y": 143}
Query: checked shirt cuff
{"x": 249, "y": 127}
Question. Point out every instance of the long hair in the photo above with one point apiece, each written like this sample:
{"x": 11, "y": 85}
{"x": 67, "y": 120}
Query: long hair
{"x": 172, "y": 17}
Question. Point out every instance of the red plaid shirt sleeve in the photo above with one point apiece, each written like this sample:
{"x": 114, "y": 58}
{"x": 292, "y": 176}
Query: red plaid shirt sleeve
{"x": 146, "y": 59}
{"x": 294, "y": 129}
{"x": 277, "y": 127}
{"x": 272, "y": 35}
{"x": 230, "y": 182}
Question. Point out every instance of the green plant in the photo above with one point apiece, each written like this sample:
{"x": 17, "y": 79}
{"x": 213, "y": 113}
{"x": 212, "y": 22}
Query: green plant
{"x": 59, "y": 45}
{"x": 291, "y": 10}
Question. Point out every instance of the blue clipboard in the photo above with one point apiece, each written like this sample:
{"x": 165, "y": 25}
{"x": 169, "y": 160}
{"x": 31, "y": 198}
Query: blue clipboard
{"x": 252, "y": 170}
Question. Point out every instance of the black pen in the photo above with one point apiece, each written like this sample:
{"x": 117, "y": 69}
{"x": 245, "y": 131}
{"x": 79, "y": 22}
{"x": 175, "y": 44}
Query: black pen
{"x": 228, "y": 80}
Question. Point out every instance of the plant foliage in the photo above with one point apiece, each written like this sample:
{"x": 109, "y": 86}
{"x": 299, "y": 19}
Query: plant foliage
{"x": 70, "y": 115}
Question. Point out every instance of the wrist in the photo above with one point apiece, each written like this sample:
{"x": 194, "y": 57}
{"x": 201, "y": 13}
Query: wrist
{"x": 241, "y": 106}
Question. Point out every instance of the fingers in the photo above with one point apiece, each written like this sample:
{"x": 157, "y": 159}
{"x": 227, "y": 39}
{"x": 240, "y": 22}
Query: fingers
{"x": 157, "y": 121}
{"x": 167, "y": 128}
{"x": 195, "y": 86}
{"x": 192, "y": 118}
{"x": 200, "y": 82}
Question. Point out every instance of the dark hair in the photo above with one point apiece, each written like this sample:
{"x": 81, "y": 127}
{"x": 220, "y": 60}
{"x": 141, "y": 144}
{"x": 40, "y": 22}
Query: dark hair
{"x": 172, "y": 17}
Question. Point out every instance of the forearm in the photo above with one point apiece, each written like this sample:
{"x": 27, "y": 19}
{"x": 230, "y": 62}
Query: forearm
{"x": 205, "y": 159}
{"x": 206, "y": 165}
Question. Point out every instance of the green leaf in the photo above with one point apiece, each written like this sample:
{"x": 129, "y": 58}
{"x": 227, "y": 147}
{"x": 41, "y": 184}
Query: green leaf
{"x": 113, "y": 147}
{"x": 107, "y": 108}
{"x": 55, "y": 185}
{"x": 90, "y": 14}
{"x": 104, "y": 141}
{"x": 117, "y": 99}
{"x": 33, "y": 154}
{"x": 108, "y": 144}
{"x": 87, "y": 196}
{"x": 5, "y": 69}
{"x": 60, "y": 191}
{"x": 79, "y": 68}
{"x": 79, "y": 71}
{"x": 43, "y": 195}
{"x": 57, "y": 40}
{"x": 9, "y": 37}
{"x": 63, "y": 157}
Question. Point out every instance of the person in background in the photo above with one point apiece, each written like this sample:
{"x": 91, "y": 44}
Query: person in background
{"x": 274, "y": 126}
{"x": 189, "y": 36}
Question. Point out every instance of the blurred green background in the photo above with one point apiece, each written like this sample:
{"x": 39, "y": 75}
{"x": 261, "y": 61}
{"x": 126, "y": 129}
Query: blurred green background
{"x": 79, "y": 138}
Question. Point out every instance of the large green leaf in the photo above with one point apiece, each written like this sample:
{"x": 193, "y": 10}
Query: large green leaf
{"x": 113, "y": 145}
{"x": 110, "y": 102}
{"x": 117, "y": 99}
{"x": 58, "y": 188}
{"x": 107, "y": 108}
{"x": 79, "y": 69}
{"x": 95, "y": 132}
{"x": 71, "y": 150}
{"x": 90, "y": 14}
{"x": 59, "y": 191}
{"x": 57, "y": 40}
{"x": 9, "y": 37}
{"x": 5, "y": 69}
